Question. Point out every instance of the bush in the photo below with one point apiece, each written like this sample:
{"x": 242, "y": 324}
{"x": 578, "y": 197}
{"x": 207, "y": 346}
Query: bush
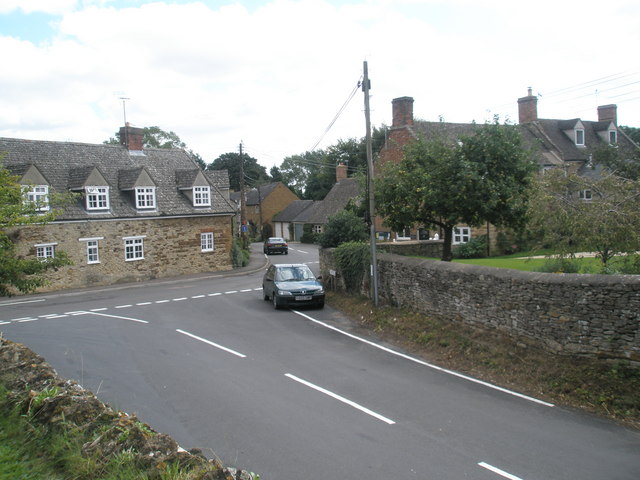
{"x": 344, "y": 226}
{"x": 239, "y": 256}
{"x": 308, "y": 236}
{"x": 353, "y": 259}
{"x": 474, "y": 248}
{"x": 559, "y": 265}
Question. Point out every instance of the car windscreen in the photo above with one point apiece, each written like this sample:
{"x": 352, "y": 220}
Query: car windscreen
{"x": 294, "y": 274}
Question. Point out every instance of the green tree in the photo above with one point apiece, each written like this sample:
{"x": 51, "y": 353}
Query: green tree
{"x": 344, "y": 226}
{"x": 254, "y": 173}
{"x": 593, "y": 214}
{"x": 473, "y": 179}
{"x": 24, "y": 275}
{"x": 296, "y": 171}
{"x": 155, "y": 137}
{"x": 632, "y": 132}
{"x": 622, "y": 160}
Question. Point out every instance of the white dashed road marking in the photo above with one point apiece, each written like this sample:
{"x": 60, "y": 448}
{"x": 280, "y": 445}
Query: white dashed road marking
{"x": 209, "y": 342}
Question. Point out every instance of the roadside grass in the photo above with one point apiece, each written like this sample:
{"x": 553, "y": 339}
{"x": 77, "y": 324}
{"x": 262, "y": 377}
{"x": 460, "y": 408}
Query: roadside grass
{"x": 607, "y": 389}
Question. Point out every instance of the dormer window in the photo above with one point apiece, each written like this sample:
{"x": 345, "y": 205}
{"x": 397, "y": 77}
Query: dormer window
{"x": 579, "y": 136}
{"x": 201, "y": 196}
{"x": 613, "y": 137}
{"x": 97, "y": 198}
{"x": 38, "y": 197}
{"x": 145, "y": 197}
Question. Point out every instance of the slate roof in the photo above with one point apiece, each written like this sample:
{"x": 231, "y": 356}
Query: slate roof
{"x": 293, "y": 210}
{"x": 67, "y": 164}
{"x": 254, "y": 196}
{"x": 336, "y": 200}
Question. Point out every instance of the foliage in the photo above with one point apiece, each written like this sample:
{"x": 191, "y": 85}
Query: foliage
{"x": 155, "y": 137}
{"x": 559, "y": 265}
{"x": 308, "y": 235}
{"x": 254, "y": 173}
{"x": 22, "y": 274}
{"x": 239, "y": 256}
{"x": 607, "y": 224}
{"x": 267, "y": 231}
{"x": 352, "y": 259}
{"x": 344, "y": 226}
{"x": 474, "y": 248}
{"x": 471, "y": 179}
{"x": 623, "y": 161}
{"x": 632, "y": 132}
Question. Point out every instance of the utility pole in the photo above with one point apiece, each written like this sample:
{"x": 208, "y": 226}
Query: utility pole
{"x": 366, "y": 85}
{"x": 243, "y": 203}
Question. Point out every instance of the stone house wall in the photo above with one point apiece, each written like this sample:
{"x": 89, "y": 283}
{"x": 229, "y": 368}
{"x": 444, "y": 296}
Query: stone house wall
{"x": 570, "y": 314}
{"x": 171, "y": 248}
{"x": 279, "y": 199}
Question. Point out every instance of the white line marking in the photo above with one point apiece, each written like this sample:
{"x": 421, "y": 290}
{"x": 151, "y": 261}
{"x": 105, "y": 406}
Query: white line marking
{"x": 198, "y": 296}
{"x": 20, "y": 303}
{"x": 178, "y": 299}
{"x": 77, "y": 312}
{"x": 53, "y": 316}
{"x": 27, "y": 320}
{"x": 162, "y": 301}
{"x": 231, "y": 291}
{"x": 246, "y": 290}
{"x": 301, "y": 251}
{"x": 123, "y": 306}
{"x": 5, "y": 323}
{"x": 21, "y": 318}
{"x": 257, "y": 289}
{"x": 97, "y": 310}
{"x": 498, "y": 471}
{"x": 213, "y": 294}
{"x": 141, "y": 304}
{"x": 421, "y": 362}
{"x": 117, "y": 316}
{"x": 341, "y": 399}
{"x": 209, "y": 342}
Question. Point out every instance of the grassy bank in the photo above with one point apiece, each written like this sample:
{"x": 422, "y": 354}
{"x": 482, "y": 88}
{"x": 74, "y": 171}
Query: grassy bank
{"x": 607, "y": 389}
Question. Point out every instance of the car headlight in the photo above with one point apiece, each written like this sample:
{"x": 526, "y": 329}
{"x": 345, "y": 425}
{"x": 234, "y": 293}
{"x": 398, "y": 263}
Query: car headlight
{"x": 284, "y": 292}
{"x": 318, "y": 292}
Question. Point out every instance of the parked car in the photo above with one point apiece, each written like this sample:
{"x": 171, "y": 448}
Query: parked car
{"x": 275, "y": 245}
{"x": 292, "y": 285}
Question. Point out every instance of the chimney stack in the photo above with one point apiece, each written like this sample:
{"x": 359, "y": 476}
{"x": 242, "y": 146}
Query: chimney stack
{"x": 131, "y": 137}
{"x": 528, "y": 108}
{"x": 341, "y": 171}
{"x": 608, "y": 113}
{"x": 402, "y": 111}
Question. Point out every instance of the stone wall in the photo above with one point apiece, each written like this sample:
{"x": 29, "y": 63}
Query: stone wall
{"x": 171, "y": 248}
{"x": 593, "y": 315}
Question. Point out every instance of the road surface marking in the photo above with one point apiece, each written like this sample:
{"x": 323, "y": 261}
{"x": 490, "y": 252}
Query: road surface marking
{"x": 498, "y": 471}
{"x": 21, "y": 302}
{"x": 123, "y": 306}
{"x": 246, "y": 290}
{"x": 97, "y": 309}
{"x": 198, "y": 296}
{"x": 24, "y": 320}
{"x": 301, "y": 251}
{"x": 421, "y": 362}
{"x": 209, "y": 342}
{"x": 116, "y": 316}
{"x": 257, "y": 289}
{"x": 53, "y": 315}
{"x": 162, "y": 301}
{"x": 341, "y": 399}
{"x": 5, "y": 323}
{"x": 231, "y": 291}
{"x": 140, "y": 304}
{"x": 178, "y": 299}
{"x": 214, "y": 294}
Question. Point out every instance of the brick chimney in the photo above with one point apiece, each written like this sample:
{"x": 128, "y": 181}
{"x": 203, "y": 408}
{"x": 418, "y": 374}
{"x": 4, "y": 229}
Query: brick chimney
{"x": 402, "y": 111}
{"x": 528, "y": 108}
{"x": 341, "y": 172}
{"x": 608, "y": 113}
{"x": 131, "y": 137}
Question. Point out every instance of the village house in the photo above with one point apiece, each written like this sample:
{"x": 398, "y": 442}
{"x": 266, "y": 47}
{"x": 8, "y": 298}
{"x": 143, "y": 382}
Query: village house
{"x": 567, "y": 144}
{"x": 140, "y": 213}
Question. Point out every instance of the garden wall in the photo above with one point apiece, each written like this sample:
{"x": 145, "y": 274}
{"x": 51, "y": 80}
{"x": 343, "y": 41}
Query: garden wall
{"x": 570, "y": 314}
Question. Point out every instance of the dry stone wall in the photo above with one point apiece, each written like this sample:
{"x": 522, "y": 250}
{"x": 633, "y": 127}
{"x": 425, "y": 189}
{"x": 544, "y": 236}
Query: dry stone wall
{"x": 592, "y": 315}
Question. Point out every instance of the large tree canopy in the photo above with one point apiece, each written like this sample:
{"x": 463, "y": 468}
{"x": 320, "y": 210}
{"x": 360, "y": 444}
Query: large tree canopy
{"x": 254, "y": 174}
{"x": 24, "y": 275}
{"x": 444, "y": 182}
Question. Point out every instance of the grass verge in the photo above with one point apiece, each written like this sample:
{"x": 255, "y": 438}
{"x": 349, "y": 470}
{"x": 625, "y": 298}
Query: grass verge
{"x": 610, "y": 390}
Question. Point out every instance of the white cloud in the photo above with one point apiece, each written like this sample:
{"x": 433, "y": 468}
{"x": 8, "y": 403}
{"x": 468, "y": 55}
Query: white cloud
{"x": 274, "y": 76}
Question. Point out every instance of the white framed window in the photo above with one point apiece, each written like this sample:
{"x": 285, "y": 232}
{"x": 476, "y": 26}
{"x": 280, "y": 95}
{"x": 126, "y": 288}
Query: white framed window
{"x": 46, "y": 250}
{"x": 461, "y": 235}
{"x": 613, "y": 137}
{"x": 206, "y": 242}
{"x": 586, "y": 195}
{"x": 38, "y": 196}
{"x": 145, "y": 197}
{"x": 97, "y": 198}
{"x": 404, "y": 234}
{"x": 133, "y": 248}
{"x": 201, "y": 196}
{"x": 317, "y": 228}
{"x": 93, "y": 253}
{"x": 579, "y": 136}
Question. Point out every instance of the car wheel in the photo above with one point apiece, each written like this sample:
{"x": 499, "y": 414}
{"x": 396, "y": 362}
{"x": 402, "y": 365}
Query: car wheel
{"x": 286, "y": 252}
{"x": 274, "y": 300}
{"x": 321, "y": 305}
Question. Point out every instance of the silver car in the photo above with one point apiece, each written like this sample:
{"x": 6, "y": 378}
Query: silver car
{"x": 292, "y": 285}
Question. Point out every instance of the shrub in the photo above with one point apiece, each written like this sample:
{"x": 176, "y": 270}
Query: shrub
{"x": 239, "y": 256}
{"x": 559, "y": 265}
{"x": 352, "y": 259}
{"x": 344, "y": 226}
{"x": 308, "y": 236}
{"x": 474, "y": 248}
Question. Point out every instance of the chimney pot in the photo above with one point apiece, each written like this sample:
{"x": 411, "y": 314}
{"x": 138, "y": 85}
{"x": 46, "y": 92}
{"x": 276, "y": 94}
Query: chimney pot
{"x": 402, "y": 111}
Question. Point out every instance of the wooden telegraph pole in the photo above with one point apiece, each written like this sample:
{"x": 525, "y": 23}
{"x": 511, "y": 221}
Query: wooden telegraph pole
{"x": 366, "y": 85}
{"x": 243, "y": 203}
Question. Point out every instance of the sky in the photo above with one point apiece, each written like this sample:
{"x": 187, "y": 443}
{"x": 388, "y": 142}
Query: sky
{"x": 281, "y": 77}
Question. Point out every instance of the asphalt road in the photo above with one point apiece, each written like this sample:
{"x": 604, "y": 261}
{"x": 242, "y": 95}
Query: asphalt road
{"x": 296, "y": 394}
